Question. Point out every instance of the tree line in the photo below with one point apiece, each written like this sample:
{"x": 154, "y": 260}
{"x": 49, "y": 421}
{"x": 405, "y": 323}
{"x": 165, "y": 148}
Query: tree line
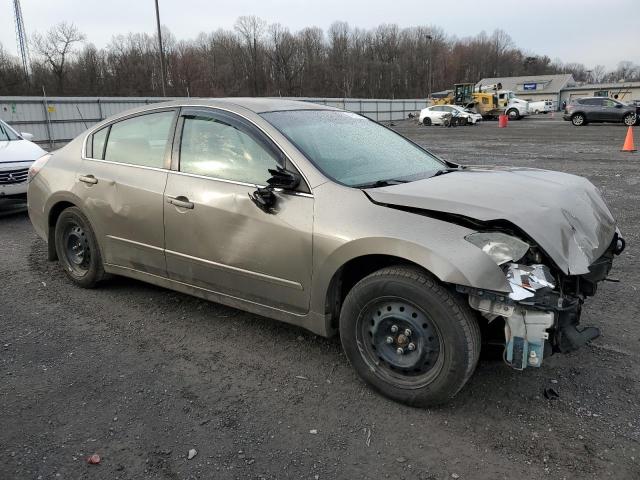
{"x": 258, "y": 59}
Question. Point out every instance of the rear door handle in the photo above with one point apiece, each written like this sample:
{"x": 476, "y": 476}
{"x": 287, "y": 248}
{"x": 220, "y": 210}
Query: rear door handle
{"x": 181, "y": 201}
{"x": 90, "y": 179}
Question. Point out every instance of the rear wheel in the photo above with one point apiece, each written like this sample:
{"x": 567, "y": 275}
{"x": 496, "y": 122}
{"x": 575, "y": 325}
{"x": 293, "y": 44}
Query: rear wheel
{"x": 408, "y": 337}
{"x": 77, "y": 248}
{"x": 630, "y": 119}
{"x": 579, "y": 120}
{"x": 426, "y": 122}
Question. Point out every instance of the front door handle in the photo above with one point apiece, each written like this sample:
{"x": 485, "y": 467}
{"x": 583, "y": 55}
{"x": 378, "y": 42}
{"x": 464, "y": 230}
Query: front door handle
{"x": 90, "y": 179}
{"x": 181, "y": 201}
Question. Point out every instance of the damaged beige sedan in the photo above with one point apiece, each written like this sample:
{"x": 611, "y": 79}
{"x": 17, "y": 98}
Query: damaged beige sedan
{"x": 327, "y": 220}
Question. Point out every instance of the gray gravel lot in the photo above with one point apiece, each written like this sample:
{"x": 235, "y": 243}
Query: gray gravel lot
{"x": 141, "y": 375}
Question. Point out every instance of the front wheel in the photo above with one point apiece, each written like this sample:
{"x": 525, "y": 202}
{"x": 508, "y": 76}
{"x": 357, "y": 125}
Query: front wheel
{"x": 77, "y": 248}
{"x": 408, "y": 337}
{"x": 426, "y": 122}
{"x": 630, "y": 119}
{"x": 513, "y": 114}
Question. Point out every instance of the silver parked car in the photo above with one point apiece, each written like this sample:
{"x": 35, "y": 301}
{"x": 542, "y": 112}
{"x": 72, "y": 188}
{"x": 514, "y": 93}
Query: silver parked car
{"x": 327, "y": 220}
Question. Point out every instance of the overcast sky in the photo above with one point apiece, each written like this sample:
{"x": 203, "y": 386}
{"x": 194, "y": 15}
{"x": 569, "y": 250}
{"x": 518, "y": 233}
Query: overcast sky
{"x": 586, "y": 31}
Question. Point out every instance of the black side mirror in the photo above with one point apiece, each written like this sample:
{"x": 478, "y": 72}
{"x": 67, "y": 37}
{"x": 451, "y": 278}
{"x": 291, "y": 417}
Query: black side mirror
{"x": 618, "y": 105}
{"x": 264, "y": 198}
{"x": 282, "y": 178}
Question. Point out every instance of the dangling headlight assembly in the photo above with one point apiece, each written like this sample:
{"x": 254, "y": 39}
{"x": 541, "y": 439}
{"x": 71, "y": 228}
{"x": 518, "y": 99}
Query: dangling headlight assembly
{"x": 502, "y": 248}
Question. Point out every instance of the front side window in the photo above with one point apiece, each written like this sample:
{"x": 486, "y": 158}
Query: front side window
{"x": 352, "y": 149}
{"x": 140, "y": 140}
{"x": 217, "y": 149}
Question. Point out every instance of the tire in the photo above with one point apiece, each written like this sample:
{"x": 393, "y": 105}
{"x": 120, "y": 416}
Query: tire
{"x": 513, "y": 114}
{"x": 77, "y": 248}
{"x": 426, "y": 122}
{"x": 446, "y": 122}
{"x": 579, "y": 120}
{"x": 464, "y": 121}
{"x": 443, "y": 327}
{"x": 630, "y": 119}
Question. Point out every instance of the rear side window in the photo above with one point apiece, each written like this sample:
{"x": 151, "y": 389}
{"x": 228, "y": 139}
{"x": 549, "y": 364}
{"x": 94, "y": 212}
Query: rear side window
{"x": 140, "y": 140}
{"x": 98, "y": 140}
{"x": 213, "y": 148}
{"x": 591, "y": 101}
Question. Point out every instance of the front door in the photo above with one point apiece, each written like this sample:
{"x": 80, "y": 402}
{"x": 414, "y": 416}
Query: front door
{"x": 121, "y": 182}
{"x": 610, "y": 111}
{"x": 216, "y": 237}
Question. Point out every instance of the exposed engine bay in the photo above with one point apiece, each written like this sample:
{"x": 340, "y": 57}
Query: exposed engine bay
{"x": 542, "y": 313}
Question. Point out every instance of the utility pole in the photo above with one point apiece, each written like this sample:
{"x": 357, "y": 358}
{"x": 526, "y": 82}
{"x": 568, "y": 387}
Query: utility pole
{"x": 429, "y": 38}
{"x": 162, "y": 68}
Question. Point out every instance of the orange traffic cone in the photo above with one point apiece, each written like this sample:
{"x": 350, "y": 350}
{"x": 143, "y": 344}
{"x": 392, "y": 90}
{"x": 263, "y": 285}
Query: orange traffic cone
{"x": 628, "y": 142}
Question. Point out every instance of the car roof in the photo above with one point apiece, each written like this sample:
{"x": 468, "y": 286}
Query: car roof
{"x": 254, "y": 104}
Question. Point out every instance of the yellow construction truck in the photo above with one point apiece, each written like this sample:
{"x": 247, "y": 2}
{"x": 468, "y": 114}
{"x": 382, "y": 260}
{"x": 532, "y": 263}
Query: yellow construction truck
{"x": 487, "y": 100}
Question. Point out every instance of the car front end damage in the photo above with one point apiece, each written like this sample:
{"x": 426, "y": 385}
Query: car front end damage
{"x": 550, "y": 234}
{"x": 542, "y": 313}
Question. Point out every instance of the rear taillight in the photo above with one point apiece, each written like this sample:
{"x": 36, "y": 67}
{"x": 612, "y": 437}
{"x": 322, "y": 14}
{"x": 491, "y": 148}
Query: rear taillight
{"x": 36, "y": 166}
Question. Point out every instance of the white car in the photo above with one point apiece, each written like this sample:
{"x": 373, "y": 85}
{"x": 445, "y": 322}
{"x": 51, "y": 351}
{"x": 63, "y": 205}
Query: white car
{"x": 541, "y": 106}
{"x": 17, "y": 154}
{"x": 436, "y": 115}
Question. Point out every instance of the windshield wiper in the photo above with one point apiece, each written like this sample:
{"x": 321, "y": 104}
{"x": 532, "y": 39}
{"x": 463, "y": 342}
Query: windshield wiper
{"x": 445, "y": 171}
{"x": 381, "y": 183}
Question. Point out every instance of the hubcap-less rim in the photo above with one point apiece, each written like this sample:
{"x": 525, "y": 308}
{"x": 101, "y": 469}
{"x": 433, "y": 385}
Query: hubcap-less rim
{"x": 630, "y": 120}
{"x": 77, "y": 250}
{"x": 400, "y": 342}
{"x": 577, "y": 120}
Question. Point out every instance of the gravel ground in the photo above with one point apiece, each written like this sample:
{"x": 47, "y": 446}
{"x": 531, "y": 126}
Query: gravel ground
{"x": 141, "y": 375}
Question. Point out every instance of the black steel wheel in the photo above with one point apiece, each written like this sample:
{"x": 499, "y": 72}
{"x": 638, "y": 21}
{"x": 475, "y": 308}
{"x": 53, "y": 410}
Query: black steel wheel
{"x": 77, "y": 248}
{"x": 401, "y": 340}
{"x": 409, "y": 337}
{"x": 426, "y": 122}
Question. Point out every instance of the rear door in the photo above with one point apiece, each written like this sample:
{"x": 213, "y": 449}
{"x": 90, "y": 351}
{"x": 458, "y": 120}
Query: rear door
{"x": 121, "y": 182}
{"x": 594, "y": 108}
{"x": 216, "y": 237}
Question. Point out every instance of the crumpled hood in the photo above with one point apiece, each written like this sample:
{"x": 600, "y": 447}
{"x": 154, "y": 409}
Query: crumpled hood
{"x": 564, "y": 214}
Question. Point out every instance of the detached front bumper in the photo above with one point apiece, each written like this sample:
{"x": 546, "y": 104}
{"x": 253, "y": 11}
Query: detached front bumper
{"x": 542, "y": 313}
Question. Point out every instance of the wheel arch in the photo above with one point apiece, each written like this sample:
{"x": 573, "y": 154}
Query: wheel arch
{"x": 56, "y": 206}
{"x": 354, "y": 261}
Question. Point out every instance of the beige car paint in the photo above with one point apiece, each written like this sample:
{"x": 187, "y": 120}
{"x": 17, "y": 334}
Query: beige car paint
{"x": 227, "y": 250}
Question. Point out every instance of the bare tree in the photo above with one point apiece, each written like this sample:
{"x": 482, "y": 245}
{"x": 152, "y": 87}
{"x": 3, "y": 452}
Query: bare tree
{"x": 598, "y": 73}
{"x": 256, "y": 59}
{"x": 251, "y": 29}
{"x": 56, "y": 47}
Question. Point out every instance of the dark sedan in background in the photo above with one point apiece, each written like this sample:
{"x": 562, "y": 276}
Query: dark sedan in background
{"x": 601, "y": 109}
